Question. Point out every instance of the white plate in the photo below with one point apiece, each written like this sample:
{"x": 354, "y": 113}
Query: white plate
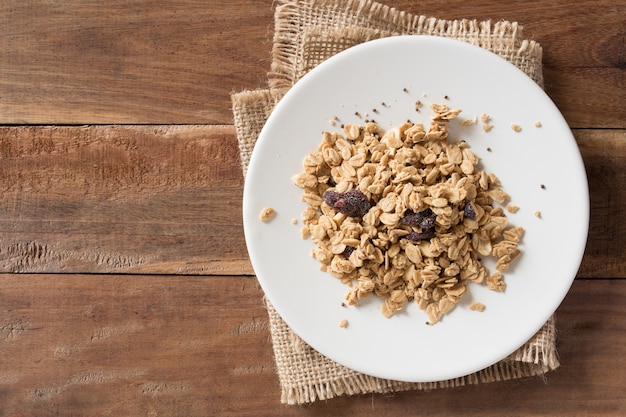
{"x": 477, "y": 81}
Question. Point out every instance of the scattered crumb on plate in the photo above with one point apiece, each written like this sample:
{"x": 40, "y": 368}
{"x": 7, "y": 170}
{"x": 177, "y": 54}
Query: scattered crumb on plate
{"x": 476, "y": 306}
{"x": 469, "y": 122}
{"x": 267, "y": 214}
{"x": 512, "y": 209}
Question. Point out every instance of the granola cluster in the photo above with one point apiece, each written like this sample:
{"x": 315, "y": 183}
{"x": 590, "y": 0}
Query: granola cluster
{"x": 405, "y": 215}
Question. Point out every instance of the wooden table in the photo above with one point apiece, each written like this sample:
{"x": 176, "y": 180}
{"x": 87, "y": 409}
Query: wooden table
{"x": 125, "y": 286}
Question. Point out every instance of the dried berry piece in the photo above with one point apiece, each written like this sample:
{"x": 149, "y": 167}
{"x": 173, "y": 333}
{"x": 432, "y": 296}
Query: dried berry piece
{"x": 417, "y": 236}
{"x": 348, "y": 251}
{"x": 470, "y": 211}
{"x": 331, "y": 197}
{"x": 425, "y": 220}
{"x": 428, "y": 223}
{"x": 352, "y": 203}
{"x": 411, "y": 218}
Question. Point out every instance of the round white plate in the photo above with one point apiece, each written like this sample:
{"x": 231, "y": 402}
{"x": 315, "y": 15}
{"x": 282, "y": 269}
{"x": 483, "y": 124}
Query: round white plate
{"x": 390, "y": 75}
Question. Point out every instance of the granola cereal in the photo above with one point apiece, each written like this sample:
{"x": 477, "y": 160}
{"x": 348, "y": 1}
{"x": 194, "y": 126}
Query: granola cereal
{"x": 512, "y": 208}
{"x": 405, "y": 215}
{"x": 477, "y": 306}
{"x": 267, "y": 214}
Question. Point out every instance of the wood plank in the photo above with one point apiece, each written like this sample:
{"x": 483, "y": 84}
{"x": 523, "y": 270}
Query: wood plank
{"x": 604, "y": 155}
{"x": 147, "y": 61}
{"x": 594, "y": 97}
{"x": 198, "y": 346}
{"x": 81, "y": 62}
{"x": 572, "y": 36}
{"x": 167, "y": 199}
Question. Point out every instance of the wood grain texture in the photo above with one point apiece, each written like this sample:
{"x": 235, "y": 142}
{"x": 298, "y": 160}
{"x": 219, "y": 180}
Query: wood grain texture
{"x": 83, "y": 61}
{"x": 198, "y": 346}
{"x": 605, "y": 159}
{"x": 159, "y": 199}
{"x": 167, "y": 199}
{"x": 125, "y": 285}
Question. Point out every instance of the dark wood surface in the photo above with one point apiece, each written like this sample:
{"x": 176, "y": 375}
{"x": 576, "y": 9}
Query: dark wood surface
{"x": 125, "y": 285}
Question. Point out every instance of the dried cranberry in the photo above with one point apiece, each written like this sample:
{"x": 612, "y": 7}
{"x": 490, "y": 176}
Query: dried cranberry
{"x": 352, "y": 203}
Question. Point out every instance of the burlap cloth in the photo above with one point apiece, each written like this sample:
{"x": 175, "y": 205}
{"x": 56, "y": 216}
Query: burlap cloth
{"x": 307, "y": 33}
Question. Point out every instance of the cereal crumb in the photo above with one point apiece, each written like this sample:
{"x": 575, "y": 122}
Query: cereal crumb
{"x": 294, "y": 221}
{"x": 343, "y": 323}
{"x": 516, "y": 127}
{"x": 332, "y": 122}
{"x": 495, "y": 282}
{"x": 537, "y": 123}
{"x": 267, "y": 214}
{"x": 487, "y": 127}
{"x": 469, "y": 122}
{"x": 476, "y": 306}
{"x": 512, "y": 208}
{"x": 538, "y": 214}
{"x": 485, "y": 117}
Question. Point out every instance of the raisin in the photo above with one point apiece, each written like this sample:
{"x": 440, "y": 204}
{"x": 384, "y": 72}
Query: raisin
{"x": 425, "y": 220}
{"x": 411, "y": 218}
{"x": 470, "y": 211}
{"x": 348, "y": 251}
{"x": 417, "y": 236}
{"x": 352, "y": 203}
{"x": 331, "y": 197}
{"x": 429, "y": 221}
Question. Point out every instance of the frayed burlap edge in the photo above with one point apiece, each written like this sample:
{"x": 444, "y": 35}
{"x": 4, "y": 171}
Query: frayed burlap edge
{"x": 295, "y": 19}
{"x": 251, "y": 108}
{"x": 318, "y": 30}
{"x": 319, "y": 378}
